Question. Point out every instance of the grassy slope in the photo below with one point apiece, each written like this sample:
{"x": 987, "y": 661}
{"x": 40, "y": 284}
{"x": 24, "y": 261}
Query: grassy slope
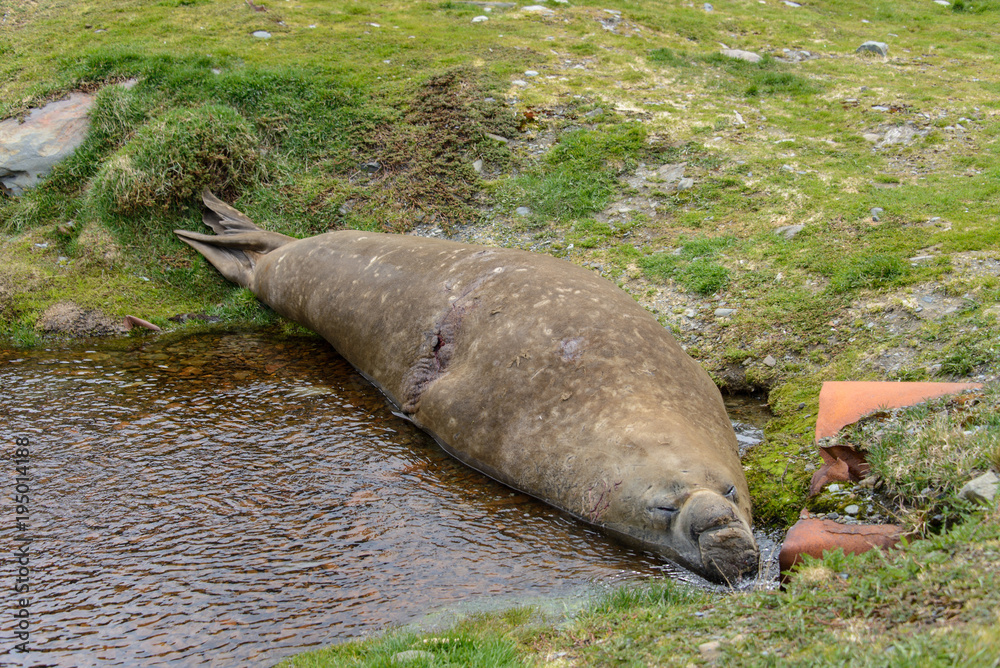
{"x": 283, "y": 126}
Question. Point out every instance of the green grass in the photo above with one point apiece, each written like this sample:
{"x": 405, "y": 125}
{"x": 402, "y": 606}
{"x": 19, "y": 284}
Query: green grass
{"x": 693, "y": 266}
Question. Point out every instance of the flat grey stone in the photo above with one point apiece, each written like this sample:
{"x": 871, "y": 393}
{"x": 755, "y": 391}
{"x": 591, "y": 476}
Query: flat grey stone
{"x": 739, "y": 54}
{"x": 852, "y": 509}
{"x": 982, "y": 489}
{"x": 710, "y": 651}
{"x": 522, "y": 211}
{"x": 478, "y": 166}
{"x": 724, "y": 312}
{"x": 480, "y": 19}
{"x": 878, "y": 48}
{"x": 901, "y": 134}
{"x": 261, "y": 34}
{"x": 789, "y": 231}
{"x": 411, "y": 655}
{"x": 685, "y": 184}
{"x": 770, "y": 361}
{"x": 29, "y": 150}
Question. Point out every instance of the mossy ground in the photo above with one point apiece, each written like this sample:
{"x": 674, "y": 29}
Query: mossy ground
{"x": 372, "y": 115}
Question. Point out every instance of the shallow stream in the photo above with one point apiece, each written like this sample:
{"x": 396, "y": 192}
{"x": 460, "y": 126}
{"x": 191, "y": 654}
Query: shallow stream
{"x": 232, "y": 499}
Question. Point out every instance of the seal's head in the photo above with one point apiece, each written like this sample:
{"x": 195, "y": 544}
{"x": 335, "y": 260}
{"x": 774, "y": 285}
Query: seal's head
{"x": 691, "y": 507}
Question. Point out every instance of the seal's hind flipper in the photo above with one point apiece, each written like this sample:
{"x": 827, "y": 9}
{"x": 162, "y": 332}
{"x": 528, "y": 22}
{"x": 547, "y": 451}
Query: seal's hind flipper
{"x": 237, "y": 244}
{"x": 223, "y": 218}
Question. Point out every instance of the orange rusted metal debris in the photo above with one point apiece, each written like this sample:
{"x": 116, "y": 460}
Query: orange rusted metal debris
{"x": 844, "y": 402}
{"x": 814, "y": 536}
{"x": 132, "y": 321}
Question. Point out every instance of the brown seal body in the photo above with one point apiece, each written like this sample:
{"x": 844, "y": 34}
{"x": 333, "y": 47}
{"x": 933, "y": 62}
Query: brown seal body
{"x": 532, "y": 370}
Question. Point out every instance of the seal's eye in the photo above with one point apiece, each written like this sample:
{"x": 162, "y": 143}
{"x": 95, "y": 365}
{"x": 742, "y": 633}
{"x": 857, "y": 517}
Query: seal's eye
{"x": 668, "y": 511}
{"x": 731, "y": 493}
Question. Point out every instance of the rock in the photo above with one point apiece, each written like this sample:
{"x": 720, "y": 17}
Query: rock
{"x": 878, "y": 48}
{"x": 789, "y": 231}
{"x": 261, "y": 34}
{"x": 685, "y": 184}
{"x": 29, "y": 150}
{"x": 900, "y": 134}
{"x": 502, "y": 140}
{"x": 480, "y": 19}
{"x": 852, "y": 509}
{"x": 707, "y": 7}
{"x": 710, "y": 651}
{"x": 739, "y": 54}
{"x": 519, "y": 82}
{"x": 787, "y": 168}
{"x": 792, "y": 4}
{"x": 770, "y": 361}
{"x": 796, "y": 55}
{"x": 478, "y": 166}
{"x": 410, "y": 655}
{"x": 522, "y": 211}
{"x": 943, "y": 3}
{"x": 982, "y": 489}
{"x": 530, "y": 73}
{"x": 538, "y": 9}
{"x": 371, "y": 167}
{"x": 724, "y": 312}
{"x": 68, "y": 318}
{"x": 876, "y": 213}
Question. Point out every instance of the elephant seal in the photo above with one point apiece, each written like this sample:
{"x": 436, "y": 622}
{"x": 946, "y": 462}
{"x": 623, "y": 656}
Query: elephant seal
{"x": 532, "y": 370}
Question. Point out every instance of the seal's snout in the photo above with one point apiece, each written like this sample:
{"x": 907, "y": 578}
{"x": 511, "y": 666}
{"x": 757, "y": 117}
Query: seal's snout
{"x": 726, "y": 545}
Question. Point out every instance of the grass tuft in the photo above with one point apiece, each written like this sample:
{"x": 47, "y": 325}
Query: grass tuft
{"x": 869, "y": 271}
{"x": 173, "y": 158}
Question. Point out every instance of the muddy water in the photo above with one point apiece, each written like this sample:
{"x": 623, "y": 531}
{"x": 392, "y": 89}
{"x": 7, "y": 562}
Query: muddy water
{"x": 231, "y": 499}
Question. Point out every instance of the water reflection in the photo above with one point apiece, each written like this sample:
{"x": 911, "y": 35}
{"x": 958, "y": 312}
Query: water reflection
{"x": 230, "y": 499}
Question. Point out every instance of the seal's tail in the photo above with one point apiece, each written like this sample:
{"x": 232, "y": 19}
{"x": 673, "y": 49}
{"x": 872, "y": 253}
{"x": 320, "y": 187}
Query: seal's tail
{"x": 237, "y": 242}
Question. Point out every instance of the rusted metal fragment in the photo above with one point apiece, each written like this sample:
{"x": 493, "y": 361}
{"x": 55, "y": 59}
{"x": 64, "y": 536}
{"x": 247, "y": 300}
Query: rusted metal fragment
{"x": 132, "y": 321}
{"x": 841, "y": 463}
{"x": 814, "y": 536}
{"x": 844, "y": 402}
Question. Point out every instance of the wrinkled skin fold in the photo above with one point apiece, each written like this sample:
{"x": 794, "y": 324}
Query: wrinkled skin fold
{"x": 534, "y": 371}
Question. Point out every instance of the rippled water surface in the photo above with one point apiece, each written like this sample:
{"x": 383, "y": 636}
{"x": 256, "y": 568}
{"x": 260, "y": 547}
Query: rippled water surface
{"x": 231, "y": 499}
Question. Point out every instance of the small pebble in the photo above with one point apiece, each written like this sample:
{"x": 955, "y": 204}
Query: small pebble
{"x": 522, "y": 211}
{"x": 262, "y": 34}
{"x": 852, "y": 509}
